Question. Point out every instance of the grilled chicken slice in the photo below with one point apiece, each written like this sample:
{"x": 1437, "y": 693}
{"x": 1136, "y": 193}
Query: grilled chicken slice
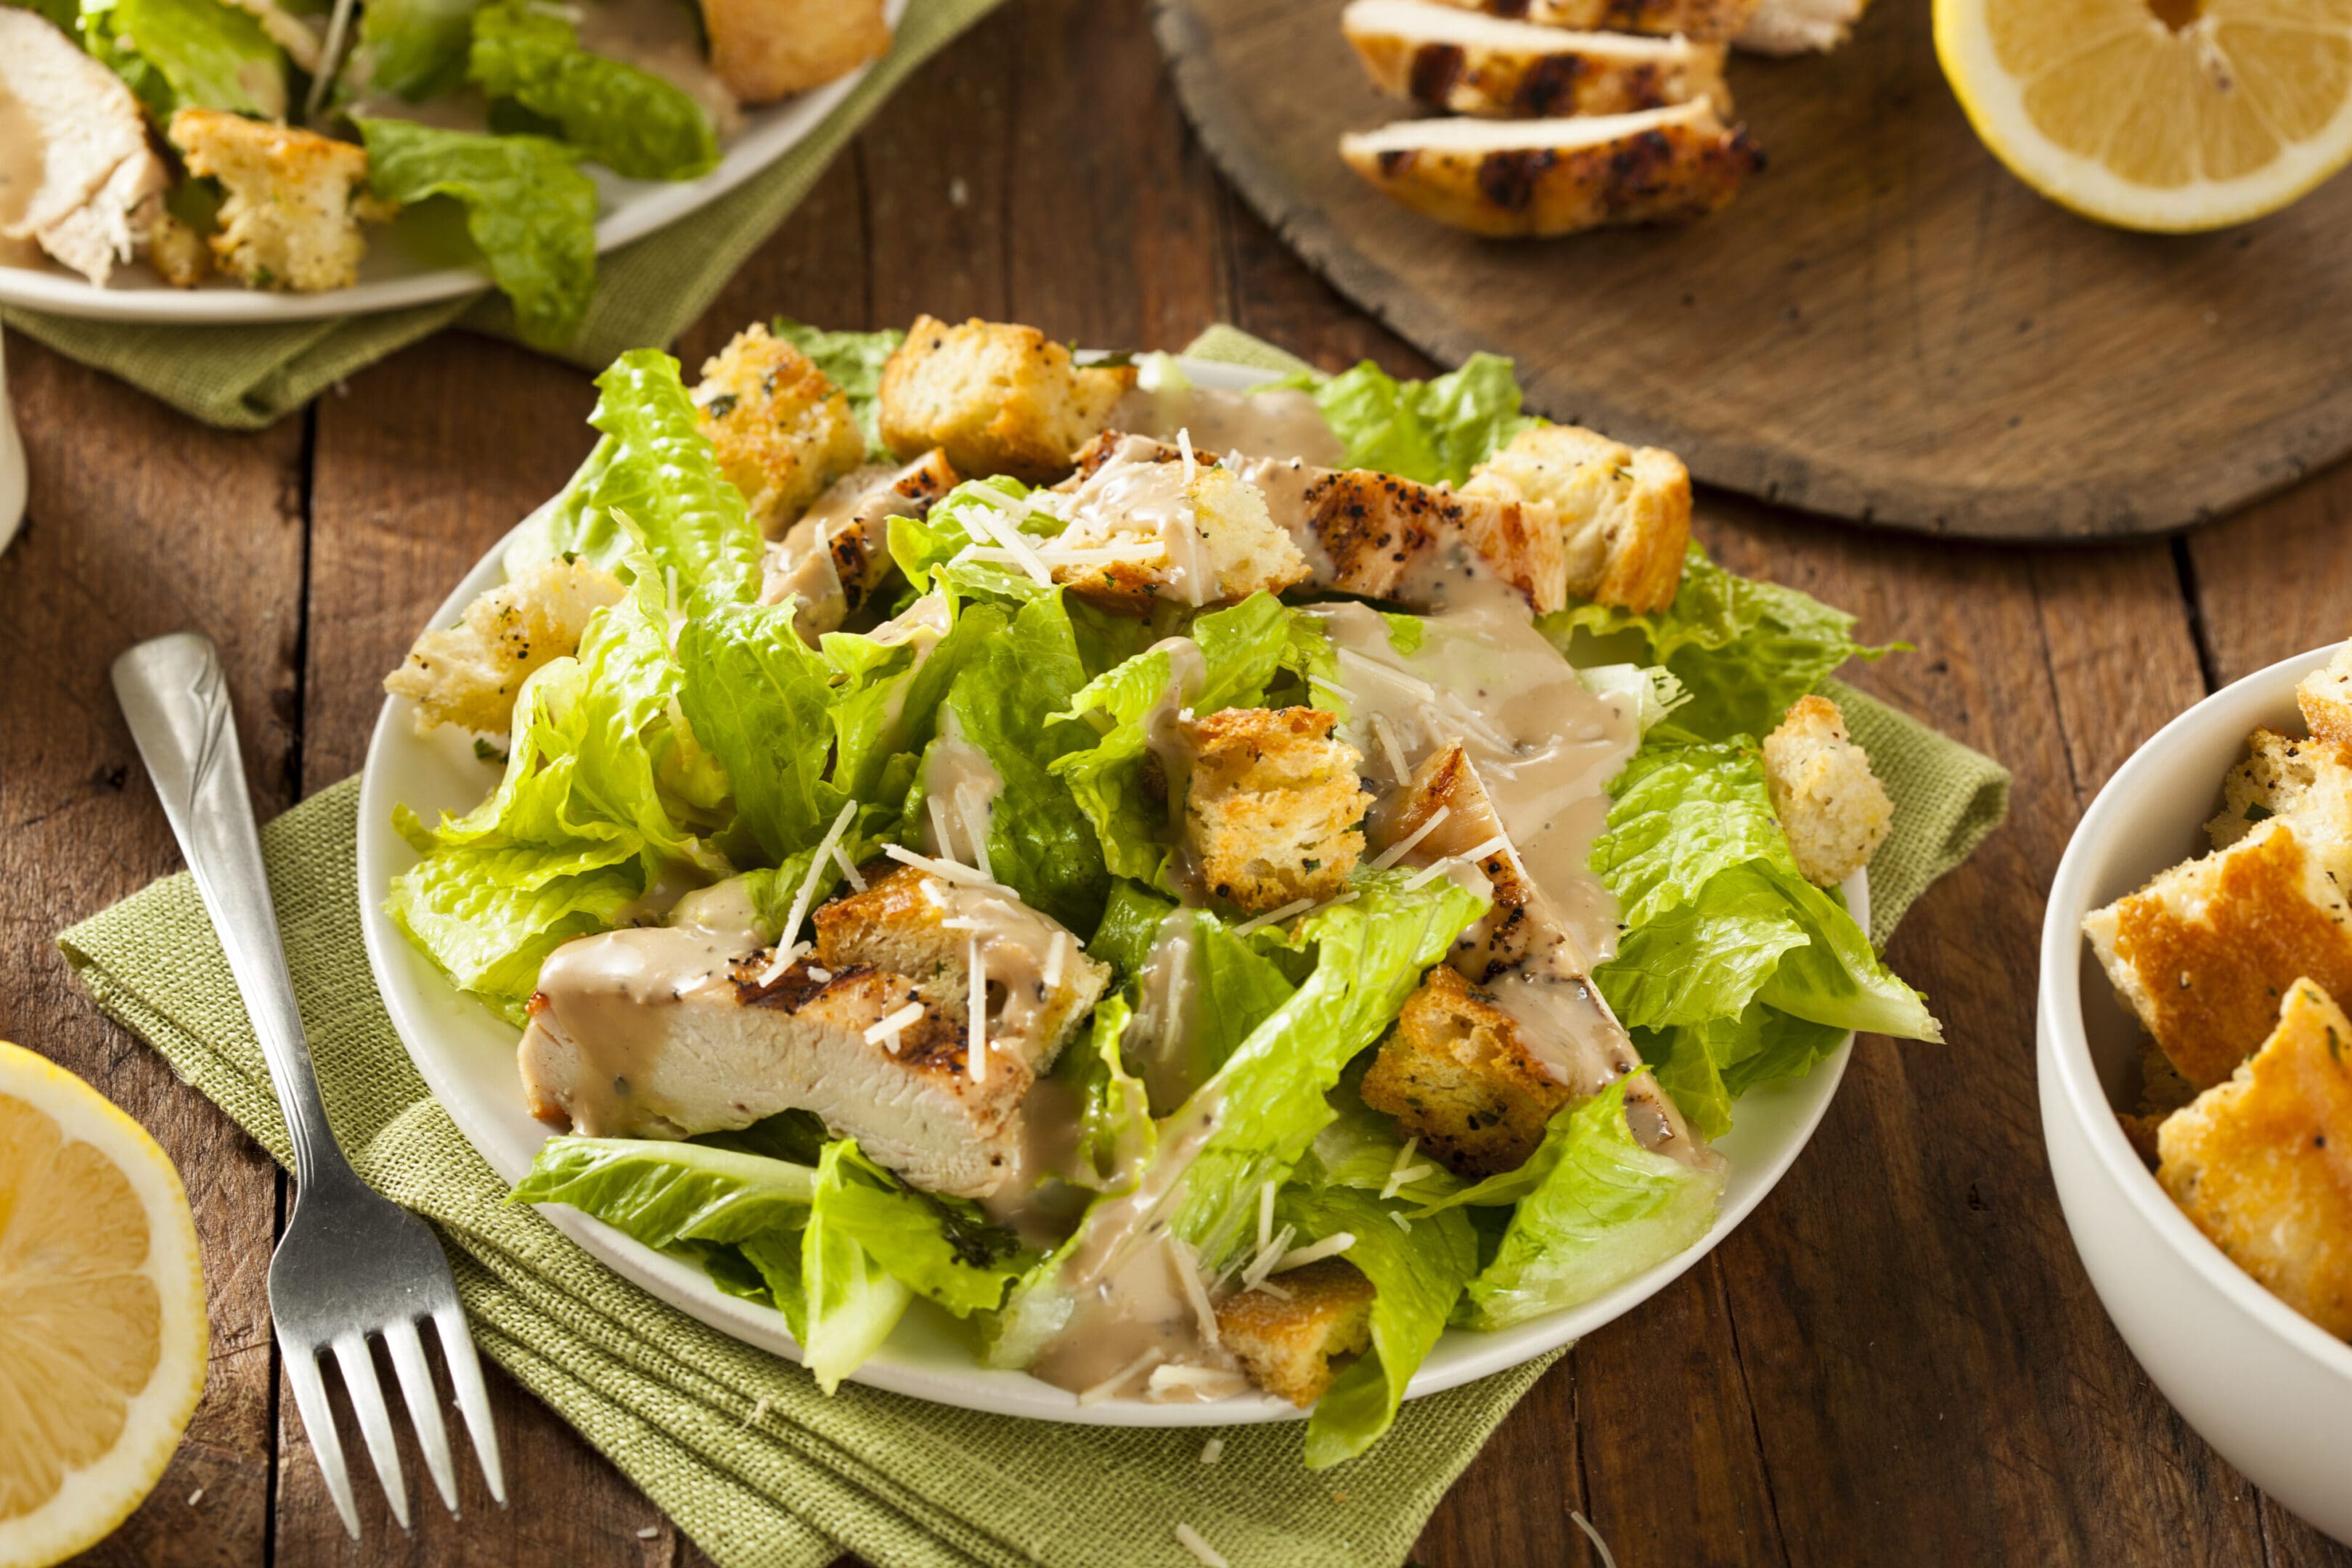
{"x": 1800, "y": 26}
{"x": 1475, "y": 64}
{"x": 1708, "y": 21}
{"x": 1518, "y": 178}
{"x": 91, "y": 186}
{"x": 839, "y": 551}
{"x": 664, "y": 1032}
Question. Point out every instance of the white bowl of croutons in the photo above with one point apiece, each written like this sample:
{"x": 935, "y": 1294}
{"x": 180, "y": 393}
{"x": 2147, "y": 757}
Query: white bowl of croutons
{"x": 2193, "y": 1065}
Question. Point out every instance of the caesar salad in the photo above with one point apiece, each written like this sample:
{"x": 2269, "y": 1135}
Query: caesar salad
{"x": 1211, "y": 889}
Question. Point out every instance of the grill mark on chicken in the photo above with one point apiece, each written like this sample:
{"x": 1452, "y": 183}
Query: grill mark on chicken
{"x": 1436, "y": 67}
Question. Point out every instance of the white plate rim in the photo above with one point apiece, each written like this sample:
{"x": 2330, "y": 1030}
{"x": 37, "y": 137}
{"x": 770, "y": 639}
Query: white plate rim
{"x": 912, "y": 1362}
{"x": 632, "y": 209}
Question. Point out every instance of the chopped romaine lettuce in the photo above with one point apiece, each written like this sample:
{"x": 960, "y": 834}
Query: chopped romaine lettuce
{"x": 1744, "y": 649}
{"x": 663, "y": 1193}
{"x": 621, "y": 116}
{"x": 416, "y": 49}
{"x": 1597, "y": 1208}
{"x": 663, "y": 481}
{"x": 851, "y": 361}
{"x": 940, "y": 1247}
{"x": 528, "y": 207}
{"x": 762, "y": 701}
{"x": 1432, "y": 431}
{"x": 188, "y": 53}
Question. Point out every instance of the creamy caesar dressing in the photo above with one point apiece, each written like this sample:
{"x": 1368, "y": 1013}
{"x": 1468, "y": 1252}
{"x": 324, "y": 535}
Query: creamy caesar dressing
{"x": 960, "y": 787}
{"x": 920, "y": 626}
{"x": 1281, "y": 423}
{"x": 845, "y": 527}
{"x": 664, "y": 37}
{"x": 604, "y": 998}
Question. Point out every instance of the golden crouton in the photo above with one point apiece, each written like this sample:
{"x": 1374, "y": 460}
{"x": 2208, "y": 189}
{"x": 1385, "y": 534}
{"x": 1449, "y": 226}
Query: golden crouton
{"x": 1455, "y": 1074}
{"x": 176, "y": 252}
{"x": 1213, "y": 542}
{"x": 1624, "y": 514}
{"x": 1831, "y": 804}
{"x": 2277, "y": 771}
{"x": 2204, "y": 953}
{"x": 1285, "y": 1342}
{"x": 1273, "y": 811}
{"x": 766, "y": 49}
{"x": 2325, "y": 698}
{"x": 291, "y": 220}
{"x": 2263, "y": 1164}
{"x": 782, "y": 431}
{"x": 1000, "y": 398}
{"x": 898, "y": 923}
{"x": 468, "y": 674}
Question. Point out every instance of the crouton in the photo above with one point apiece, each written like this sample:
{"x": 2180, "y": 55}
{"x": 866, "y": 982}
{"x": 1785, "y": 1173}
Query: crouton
{"x": 291, "y": 219}
{"x": 834, "y": 558}
{"x": 1273, "y": 811}
{"x": 2263, "y": 1164}
{"x": 782, "y": 431}
{"x": 1831, "y": 804}
{"x": 1206, "y": 541}
{"x": 2325, "y": 698}
{"x": 1287, "y": 1342}
{"x": 2272, "y": 780}
{"x": 1455, "y": 1074}
{"x": 468, "y": 675}
{"x": 898, "y": 923}
{"x": 766, "y": 49}
{"x": 2204, "y": 953}
{"x": 1624, "y": 514}
{"x": 176, "y": 252}
{"x": 1000, "y": 398}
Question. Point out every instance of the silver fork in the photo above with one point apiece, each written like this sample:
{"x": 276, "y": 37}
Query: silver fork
{"x": 353, "y": 1265}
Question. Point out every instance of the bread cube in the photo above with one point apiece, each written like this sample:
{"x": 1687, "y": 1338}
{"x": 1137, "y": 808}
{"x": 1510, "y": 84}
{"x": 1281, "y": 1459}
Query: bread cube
{"x": 999, "y": 397}
{"x": 1287, "y": 1342}
{"x": 1455, "y": 1074}
{"x": 1274, "y": 810}
{"x": 1831, "y": 806}
{"x": 782, "y": 431}
{"x": 468, "y": 675}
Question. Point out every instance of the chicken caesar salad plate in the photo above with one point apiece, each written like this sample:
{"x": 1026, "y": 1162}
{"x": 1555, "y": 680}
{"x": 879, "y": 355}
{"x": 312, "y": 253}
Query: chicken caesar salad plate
{"x": 1104, "y": 888}
{"x": 255, "y": 161}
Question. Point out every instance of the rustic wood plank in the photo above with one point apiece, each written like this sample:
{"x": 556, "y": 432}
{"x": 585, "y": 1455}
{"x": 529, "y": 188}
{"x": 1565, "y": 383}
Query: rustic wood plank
{"x": 1886, "y": 324}
{"x": 936, "y": 171}
{"x": 141, "y": 525}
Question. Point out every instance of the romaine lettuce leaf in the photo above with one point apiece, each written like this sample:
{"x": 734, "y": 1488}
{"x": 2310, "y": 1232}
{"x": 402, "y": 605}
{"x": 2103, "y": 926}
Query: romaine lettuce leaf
{"x": 851, "y": 361}
{"x": 1426, "y": 430}
{"x": 663, "y": 1193}
{"x": 848, "y": 1301}
{"x": 188, "y": 53}
{"x": 527, "y": 207}
{"x": 416, "y": 49}
{"x": 1743, "y": 650}
{"x": 1417, "y": 1274}
{"x": 1707, "y": 1066}
{"x": 1598, "y": 1209}
{"x": 664, "y": 479}
{"x": 761, "y": 700}
{"x": 625, "y": 118}
{"x": 939, "y": 1248}
{"x": 1116, "y": 1133}
{"x": 488, "y": 917}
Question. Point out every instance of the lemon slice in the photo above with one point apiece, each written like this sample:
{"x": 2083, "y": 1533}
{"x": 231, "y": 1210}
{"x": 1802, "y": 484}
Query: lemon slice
{"x": 101, "y": 1312}
{"x": 2170, "y": 115}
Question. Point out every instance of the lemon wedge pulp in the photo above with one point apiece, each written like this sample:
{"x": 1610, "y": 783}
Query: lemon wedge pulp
{"x": 102, "y": 1327}
{"x": 2170, "y": 115}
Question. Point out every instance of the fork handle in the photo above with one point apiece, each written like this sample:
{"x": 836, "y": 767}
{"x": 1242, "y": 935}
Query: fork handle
{"x": 176, "y": 700}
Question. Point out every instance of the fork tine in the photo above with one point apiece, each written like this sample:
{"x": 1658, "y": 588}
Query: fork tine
{"x": 473, "y": 1398}
{"x": 375, "y": 1420}
{"x": 424, "y": 1407}
{"x": 319, "y": 1426}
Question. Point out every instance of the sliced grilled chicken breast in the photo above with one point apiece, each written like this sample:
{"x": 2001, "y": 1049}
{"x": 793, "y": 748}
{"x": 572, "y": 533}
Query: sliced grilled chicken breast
{"x": 1708, "y": 21}
{"x": 1476, "y": 64}
{"x": 1515, "y": 178}
{"x": 80, "y": 179}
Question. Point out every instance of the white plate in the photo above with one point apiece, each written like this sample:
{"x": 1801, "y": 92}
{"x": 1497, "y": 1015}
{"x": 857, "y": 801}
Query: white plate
{"x": 467, "y": 1056}
{"x": 390, "y": 278}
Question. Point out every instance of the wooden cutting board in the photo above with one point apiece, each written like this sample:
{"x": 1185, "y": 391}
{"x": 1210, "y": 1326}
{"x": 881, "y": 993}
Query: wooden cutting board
{"x": 1886, "y": 325}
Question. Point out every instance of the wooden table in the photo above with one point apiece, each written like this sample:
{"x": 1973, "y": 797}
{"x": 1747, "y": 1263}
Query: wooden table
{"x": 1898, "y": 1359}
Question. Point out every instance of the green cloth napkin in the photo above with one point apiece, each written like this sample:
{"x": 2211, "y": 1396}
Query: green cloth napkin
{"x": 245, "y": 377}
{"x": 738, "y": 1446}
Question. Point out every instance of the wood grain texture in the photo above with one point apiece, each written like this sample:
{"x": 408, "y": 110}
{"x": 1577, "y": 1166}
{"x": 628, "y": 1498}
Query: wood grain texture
{"x": 1897, "y": 1358}
{"x": 1886, "y": 326}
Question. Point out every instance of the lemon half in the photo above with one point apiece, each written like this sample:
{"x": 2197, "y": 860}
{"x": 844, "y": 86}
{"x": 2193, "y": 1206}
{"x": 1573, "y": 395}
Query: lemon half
{"x": 102, "y": 1327}
{"x": 2170, "y": 115}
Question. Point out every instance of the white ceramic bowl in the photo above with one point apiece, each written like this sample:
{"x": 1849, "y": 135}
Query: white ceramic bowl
{"x": 2267, "y": 1387}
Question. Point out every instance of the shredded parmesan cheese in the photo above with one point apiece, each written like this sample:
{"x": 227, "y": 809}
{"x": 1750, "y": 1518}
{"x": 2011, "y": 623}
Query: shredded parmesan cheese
{"x": 945, "y": 870}
{"x": 1008, "y": 534}
{"x": 1189, "y": 1540}
{"x": 807, "y": 894}
{"x": 1205, "y": 1381}
{"x": 1397, "y": 1177}
{"x": 1386, "y": 735}
{"x": 848, "y": 869}
{"x": 1330, "y": 1246}
{"x": 1266, "y": 1217}
{"x": 1418, "y": 688}
{"x": 1333, "y": 686}
{"x": 886, "y": 1033}
{"x": 1267, "y": 1256}
{"x": 975, "y": 816}
{"x": 1426, "y": 875}
{"x": 1110, "y": 1385}
{"x": 1403, "y": 846}
{"x": 1184, "y": 448}
{"x": 1188, "y": 1268}
{"x": 1054, "y": 959}
{"x": 1213, "y": 1450}
{"x": 1402, "y": 1223}
{"x": 1275, "y": 917}
{"x": 822, "y": 976}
